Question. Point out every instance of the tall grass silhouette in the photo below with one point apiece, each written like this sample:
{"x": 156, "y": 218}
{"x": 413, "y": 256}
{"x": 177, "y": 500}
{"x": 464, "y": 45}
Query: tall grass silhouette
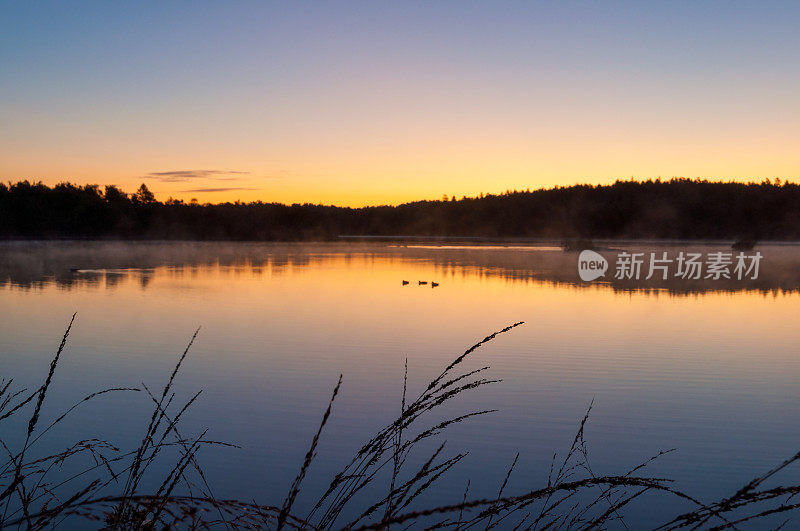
{"x": 109, "y": 493}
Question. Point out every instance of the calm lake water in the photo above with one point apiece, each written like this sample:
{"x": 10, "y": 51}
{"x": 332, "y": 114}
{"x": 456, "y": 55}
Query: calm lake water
{"x": 710, "y": 368}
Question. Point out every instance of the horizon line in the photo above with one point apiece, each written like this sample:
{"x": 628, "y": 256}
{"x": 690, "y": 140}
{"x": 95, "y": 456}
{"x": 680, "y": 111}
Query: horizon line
{"x": 777, "y": 181}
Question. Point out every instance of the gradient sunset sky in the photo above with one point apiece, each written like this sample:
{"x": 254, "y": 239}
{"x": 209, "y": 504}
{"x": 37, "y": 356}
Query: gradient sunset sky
{"x": 355, "y": 103}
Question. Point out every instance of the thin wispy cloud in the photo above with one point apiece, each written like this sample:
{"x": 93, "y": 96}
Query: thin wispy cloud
{"x": 177, "y": 176}
{"x": 201, "y": 190}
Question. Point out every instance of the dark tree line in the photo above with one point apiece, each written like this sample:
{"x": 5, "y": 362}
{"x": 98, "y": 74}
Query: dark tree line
{"x": 675, "y": 209}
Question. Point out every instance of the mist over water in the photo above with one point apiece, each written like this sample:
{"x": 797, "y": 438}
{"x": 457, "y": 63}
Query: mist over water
{"x": 68, "y": 264}
{"x": 709, "y": 368}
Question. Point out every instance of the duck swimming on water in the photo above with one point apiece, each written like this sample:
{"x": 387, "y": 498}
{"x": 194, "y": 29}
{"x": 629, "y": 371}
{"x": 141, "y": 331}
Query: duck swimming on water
{"x": 405, "y": 282}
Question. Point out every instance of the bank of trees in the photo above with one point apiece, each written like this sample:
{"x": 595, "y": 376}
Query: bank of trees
{"x": 674, "y": 209}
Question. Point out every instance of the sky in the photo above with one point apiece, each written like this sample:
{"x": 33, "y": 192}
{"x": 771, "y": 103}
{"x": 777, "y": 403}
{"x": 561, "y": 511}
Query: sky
{"x": 366, "y": 103}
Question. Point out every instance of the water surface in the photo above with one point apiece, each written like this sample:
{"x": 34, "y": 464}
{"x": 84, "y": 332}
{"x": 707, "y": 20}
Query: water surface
{"x": 710, "y": 369}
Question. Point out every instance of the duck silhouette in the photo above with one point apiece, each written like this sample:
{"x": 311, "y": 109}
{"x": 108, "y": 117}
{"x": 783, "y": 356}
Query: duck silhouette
{"x": 434, "y": 284}
{"x": 405, "y": 282}
{"x": 422, "y": 282}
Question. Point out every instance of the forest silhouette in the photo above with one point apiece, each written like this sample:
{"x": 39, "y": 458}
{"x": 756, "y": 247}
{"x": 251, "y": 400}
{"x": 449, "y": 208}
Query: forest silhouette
{"x": 675, "y": 209}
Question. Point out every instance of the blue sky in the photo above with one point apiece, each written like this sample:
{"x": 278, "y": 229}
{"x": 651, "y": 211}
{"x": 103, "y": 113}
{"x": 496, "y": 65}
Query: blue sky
{"x": 375, "y": 102}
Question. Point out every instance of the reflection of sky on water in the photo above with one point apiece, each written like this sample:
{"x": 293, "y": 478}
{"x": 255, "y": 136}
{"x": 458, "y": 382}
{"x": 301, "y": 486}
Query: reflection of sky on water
{"x": 715, "y": 376}
{"x": 26, "y": 265}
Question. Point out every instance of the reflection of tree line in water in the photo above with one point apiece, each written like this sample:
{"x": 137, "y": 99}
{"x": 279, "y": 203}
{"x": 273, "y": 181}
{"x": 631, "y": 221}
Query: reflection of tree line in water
{"x": 674, "y": 209}
{"x": 384, "y": 485}
{"x": 110, "y": 264}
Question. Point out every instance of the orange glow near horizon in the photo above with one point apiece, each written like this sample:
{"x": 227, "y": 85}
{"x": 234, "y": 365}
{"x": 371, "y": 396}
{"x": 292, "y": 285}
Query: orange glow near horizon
{"x": 369, "y": 105}
{"x": 458, "y": 159}
{"x": 358, "y": 189}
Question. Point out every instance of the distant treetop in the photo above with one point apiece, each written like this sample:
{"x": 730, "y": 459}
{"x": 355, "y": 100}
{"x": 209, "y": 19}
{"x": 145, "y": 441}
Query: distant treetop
{"x": 673, "y": 209}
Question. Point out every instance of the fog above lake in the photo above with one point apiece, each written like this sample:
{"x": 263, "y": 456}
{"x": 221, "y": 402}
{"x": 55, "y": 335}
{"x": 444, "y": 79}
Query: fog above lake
{"x": 102, "y": 264}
